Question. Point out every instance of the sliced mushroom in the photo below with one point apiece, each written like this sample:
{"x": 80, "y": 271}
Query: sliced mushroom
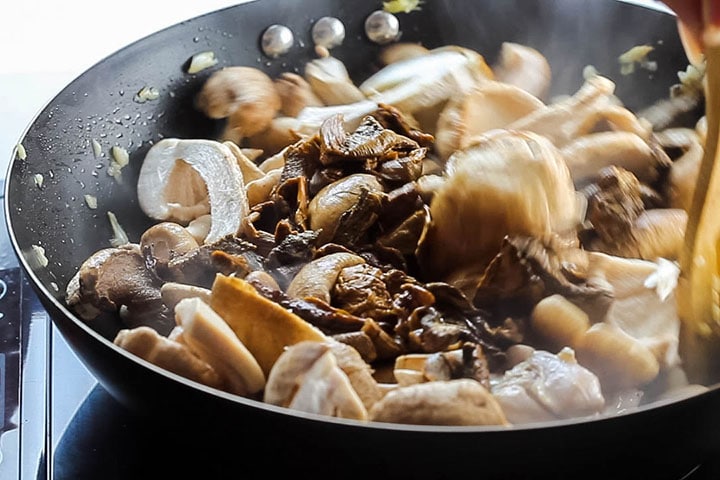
{"x": 250, "y": 171}
{"x": 525, "y": 67}
{"x": 170, "y": 355}
{"x": 211, "y": 339}
{"x": 259, "y": 191}
{"x": 166, "y": 240}
{"x": 331, "y": 82}
{"x": 684, "y": 173}
{"x": 453, "y": 402}
{"x": 548, "y": 387}
{"x": 488, "y": 106}
{"x": 358, "y": 372}
{"x": 306, "y": 377}
{"x": 173, "y": 292}
{"x": 244, "y": 94}
{"x": 317, "y": 278}
{"x": 218, "y": 168}
{"x": 280, "y": 133}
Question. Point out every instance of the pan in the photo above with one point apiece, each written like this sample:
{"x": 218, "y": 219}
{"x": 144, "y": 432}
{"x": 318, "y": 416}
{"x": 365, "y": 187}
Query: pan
{"x": 46, "y": 209}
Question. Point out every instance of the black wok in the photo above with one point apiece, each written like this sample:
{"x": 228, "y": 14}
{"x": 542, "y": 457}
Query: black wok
{"x": 660, "y": 441}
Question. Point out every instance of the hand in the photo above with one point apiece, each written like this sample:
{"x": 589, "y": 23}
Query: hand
{"x": 696, "y": 18}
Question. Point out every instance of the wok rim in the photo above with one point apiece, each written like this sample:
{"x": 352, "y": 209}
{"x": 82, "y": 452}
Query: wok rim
{"x": 46, "y": 296}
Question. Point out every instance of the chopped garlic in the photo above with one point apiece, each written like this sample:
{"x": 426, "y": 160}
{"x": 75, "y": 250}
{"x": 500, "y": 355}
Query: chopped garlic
{"x": 20, "y": 151}
{"x": 38, "y": 256}
{"x": 120, "y": 159}
{"x": 201, "y": 61}
{"x": 636, "y": 55}
{"x": 97, "y": 148}
{"x": 665, "y": 278}
{"x": 39, "y": 179}
{"x": 146, "y": 94}
{"x": 401, "y": 6}
{"x": 91, "y": 201}
{"x": 119, "y": 236}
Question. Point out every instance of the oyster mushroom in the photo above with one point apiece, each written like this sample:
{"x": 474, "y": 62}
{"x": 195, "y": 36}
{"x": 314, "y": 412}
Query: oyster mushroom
{"x": 317, "y": 278}
{"x": 171, "y": 161}
{"x": 330, "y": 81}
{"x": 306, "y": 377}
{"x": 548, "y": 387}
{"x": 330, "y": 203}
{"x": 509, "y": 183}
{"x": 453, "y": 402}
{"x": 488, "y": 106}
{"x": 561, "y": 122}
{"x": 244, "y": 95}
{"x": 212, "y": 340}
{"x": 525, "y": 67}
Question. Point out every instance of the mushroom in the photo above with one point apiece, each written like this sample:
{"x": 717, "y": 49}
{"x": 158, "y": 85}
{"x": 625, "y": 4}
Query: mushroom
{"x": 587, "y": 155}
{"x": 684, "y": 171}
{"x": 173, "y": 292}
{"x": 507, "y": 183}
{"x": 561, "y": 122}
{"x": 306, "y": 377}
{"x": 330, "y": 81}
{"x": 525, "y": 67}
{"x": 164, "y": 241}
{"x": 116, "y": 280}
{"x": 333, "y": 200}
{"x": 212, "y": 340}
{"x": 170, "y": 355}
{"x": 317, "y": 278}
{"x": 260, "y": 190}
{"x": 244, "y": 95}
{"x": 263, "y": 326}
{"x": 280, "y": 133}
{"x": 453, "y": 402}
{"x": 295, "y": 94}
{"x": 548, "y": 387}
{"x": 250, "y": 171}
{"x": 170, "y": 162}
{"x": 488, "y": 106}
{"x": 401, "y": 51}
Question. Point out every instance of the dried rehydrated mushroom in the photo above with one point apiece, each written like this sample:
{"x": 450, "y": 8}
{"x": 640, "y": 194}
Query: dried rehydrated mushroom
{"x": 468, "y": 361}
{"x": 160, "y": 189}
{"x": 452, "y": 402}
{"x": 170, "y": 355}
{"x": 489, "y": 105}
{"x": 307, "y": 377}
{"x": 245, "y": 95}
{"x": 548, "y": 387}
{"x": 115, "y": 279}
{"x": 525, "y": 67}
{"x": 511, "y": 183}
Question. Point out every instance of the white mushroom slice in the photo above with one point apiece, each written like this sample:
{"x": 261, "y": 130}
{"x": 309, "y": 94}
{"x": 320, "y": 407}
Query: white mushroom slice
{"x": 548, "y": 387}
{"x": 211, "y": 339}
{"x": 173, "y": 292}
{"x": 259, "y": 190}
{"x": 616, "y": 118}
{"x": 216, "y": 166}
{"x": 317, "y": 278}
{"x": 561, "y": 121}
{"x": 637, "y": 288}
{"x": 331, "y": 82}
{"x": 280, "y": 133}
{"x": 452, "y": 402}
{"x": 510, "y": 183}
{"x": 199, "y": 228}
{"x": 249, "y": 170}
{"x": 489, "y": 106}
{"x": 401, "y": 51}
{"x": 306, "y": 377}
{"x": 587, "y": 155}
{"x": 524, "y": 67}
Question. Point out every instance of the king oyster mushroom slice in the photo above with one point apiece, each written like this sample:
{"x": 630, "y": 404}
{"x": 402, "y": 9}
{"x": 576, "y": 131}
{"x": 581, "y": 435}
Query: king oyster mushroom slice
{"x": 306, "y": 377}
{"x": 488, "y": 106}
{"x": 509, "y": 183}
{"x": 525, "y": 67}
{"x": 163, "y": 180}
{"x": 453, "y": 402}
{"x": 331, "y": 82}
{"x": 212, "y": 340}
{"x": 548, "y": 387}
{"x": 561, "y": 121}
